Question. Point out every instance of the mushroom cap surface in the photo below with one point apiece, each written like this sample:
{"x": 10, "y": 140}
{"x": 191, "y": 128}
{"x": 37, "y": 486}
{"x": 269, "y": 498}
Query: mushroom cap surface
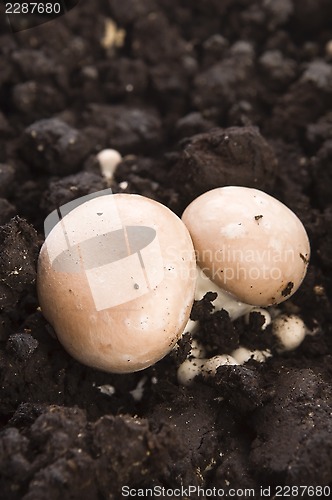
{"x": 116, "y": 279}
{"x": 248, "y": 243}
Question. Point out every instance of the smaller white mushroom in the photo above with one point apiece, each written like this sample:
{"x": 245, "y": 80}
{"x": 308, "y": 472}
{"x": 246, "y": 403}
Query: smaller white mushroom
{"x": 123, "y": 185}
{"x": 108, "y": 160}
{"x": 290, "y": 331}
{"x": 188, "y": 370}
{"x": 242, "y": 355}
{"x": 211, "y": 365}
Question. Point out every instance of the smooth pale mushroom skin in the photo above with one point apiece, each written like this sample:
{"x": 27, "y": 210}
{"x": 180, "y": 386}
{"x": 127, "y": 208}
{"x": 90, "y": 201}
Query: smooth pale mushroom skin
{"x": 108, "y": 160}
{"x": 290, "y": 330}
{"x": 242, "y": 355}
{"x": 248, "y": 243}
{"x": 211, "y": 365}
{"x": 189, "y": 369}
{"x": 129, "y": 310}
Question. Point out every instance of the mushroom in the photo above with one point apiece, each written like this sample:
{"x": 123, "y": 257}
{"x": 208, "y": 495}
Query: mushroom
{"x": 211, "y": 365}
{"x": 290, "y": 331}
{"x": 189, "y": 369}
{"x": 116, "y": 279}
{"x": 242, "y": 355}
{"x": 248, "y": 243}
{"x": 192, "y": 367}
{"x": 108, "y": 160}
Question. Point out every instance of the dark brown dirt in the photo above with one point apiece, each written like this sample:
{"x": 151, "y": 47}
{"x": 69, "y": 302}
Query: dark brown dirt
{"x": 198, "y": 95}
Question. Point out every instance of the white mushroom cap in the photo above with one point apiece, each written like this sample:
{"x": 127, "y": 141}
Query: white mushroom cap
{"x": 108, "y": 160}
{"x": 242, "y": 355}
{"x": 290, "y": 330}
{"x": 248, "y": 243}
{"x": 116, "y": 279}
{"x": 209, "y": 369}
{"x": 189, "y": 369}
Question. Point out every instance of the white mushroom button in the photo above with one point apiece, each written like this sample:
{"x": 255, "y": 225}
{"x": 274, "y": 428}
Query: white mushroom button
{"x": 290, "y": 331}
{"x": 242, "y": 355}
{"x": 108, "y": 160}
{"x": 116, "y": 279}
{"x": 209, "y": 369}
{"x": 248, "y": 243}
{"x": 188, "y": 370}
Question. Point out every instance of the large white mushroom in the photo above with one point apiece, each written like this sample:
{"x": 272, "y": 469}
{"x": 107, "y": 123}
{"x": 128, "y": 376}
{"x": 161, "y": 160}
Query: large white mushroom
{"x": 116, "y": 280}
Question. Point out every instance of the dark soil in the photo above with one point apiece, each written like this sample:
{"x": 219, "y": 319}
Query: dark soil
{"x": 196, "y": 95}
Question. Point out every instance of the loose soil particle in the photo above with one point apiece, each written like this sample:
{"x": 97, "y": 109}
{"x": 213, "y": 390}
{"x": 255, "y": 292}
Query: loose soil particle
{"x": 197, "y": 95}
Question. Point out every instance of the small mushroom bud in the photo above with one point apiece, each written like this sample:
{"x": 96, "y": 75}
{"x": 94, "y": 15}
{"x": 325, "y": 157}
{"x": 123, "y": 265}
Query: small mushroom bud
{"x": 290, "y": 331}
{"x": 242, "y": 355}
{"x": 116, "y": 279}
{"x": 108, "y": 160}
{"x": 211, "y": 365}
{"x": 189, "y": 369}
{"x": 248, "y": 243}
